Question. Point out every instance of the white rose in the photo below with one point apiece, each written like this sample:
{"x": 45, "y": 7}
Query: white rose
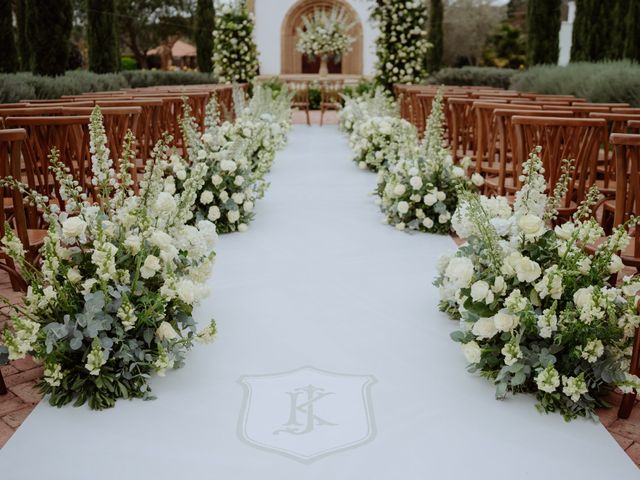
{"x": 479, "y": 290}
{"x": 239, "y": 180}
{"x": 427, "y": 222}
{"x": 441, "y": 196}
{"x": 403, "y": 207}
{"x": 224, "y": 196}
{"x": 181, "y": 174}
{"x": 400, "y": 226}
{"x": 243, "y": 227}
{"x": 416, "y": 182}
{"x": 565, "y": 230}
{"x": 583, "y": 297}
{"x": 248, "y": 206}
{"x": 477, "y": 179}
{"x": 74, "y": 227}
{"x": 206, "y": 197}
{"x": 233, "y": 216}
{"x": 484, "y": 328}
{"x": 150, "y": 267}
{"x": 161, "y": 240}
{"x": 472, "y": 352}
{"x": 238, "y": 198}
{"x": 459, "y": 271}
{"x": 165, "y": 203}
{"x": 216, "y": 180}
{"x": 444, "y": 217}
{"x": 430, "y": 199}
{"x": 399, "y": 190}
{"x": 457, "y": 172}
{"x": 186, "y": 292}
{"x": 228, "y": 165}
{"x": 166, "y": 332}
{"x": 214, "y": 213}
{"x": 527, "y": 270}
{"x": 531, "y": 225}
{"x": 505, "y": 322}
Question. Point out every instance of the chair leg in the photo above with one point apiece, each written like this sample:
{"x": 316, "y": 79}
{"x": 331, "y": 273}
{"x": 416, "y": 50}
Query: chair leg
{"x": 628, "y": 400}
{"x": 308, "y": 117}
{"x": 3, "y": 386}
{"x": 321, "y": 116}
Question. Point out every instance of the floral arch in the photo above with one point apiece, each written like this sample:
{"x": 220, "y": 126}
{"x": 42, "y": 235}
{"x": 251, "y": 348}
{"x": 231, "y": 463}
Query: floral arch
{"x": 291, "y": 59}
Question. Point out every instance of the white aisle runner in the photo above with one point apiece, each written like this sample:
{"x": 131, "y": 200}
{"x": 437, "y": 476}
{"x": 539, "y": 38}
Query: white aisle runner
{"x": 318, "y": 283}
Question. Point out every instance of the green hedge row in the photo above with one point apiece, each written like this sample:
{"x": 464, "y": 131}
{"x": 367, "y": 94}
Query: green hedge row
{"x": 597, "y": 82}
{"x": 477, "y": 76}
{"x": 22, "y": 86}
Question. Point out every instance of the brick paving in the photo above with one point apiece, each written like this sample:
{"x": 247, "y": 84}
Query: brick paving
{"x": 21, "y": 377}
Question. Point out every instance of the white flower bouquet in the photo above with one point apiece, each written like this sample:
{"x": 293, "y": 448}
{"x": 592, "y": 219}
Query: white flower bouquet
{"x": 356, "y": 109}
{"x": 536, "y": 311}
{"x": 325, "y": 32}
{"x": 111, "y": 302}
{"x": 381, "y": 141}
{"x": 420, "y": 191}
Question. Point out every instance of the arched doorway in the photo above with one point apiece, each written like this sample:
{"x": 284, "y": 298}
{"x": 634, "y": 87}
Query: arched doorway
{"x": 291, "y": 59}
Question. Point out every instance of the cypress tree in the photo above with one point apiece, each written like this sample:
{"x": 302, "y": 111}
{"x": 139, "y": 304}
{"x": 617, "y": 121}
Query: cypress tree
{"x": 435, "y": 36}
{"x": 48, "y": 30}
{"x": 9, "y": 57}
{"x": 616, "y": 32}
{"x": 600, "y": 25}
{"x": 632, "y": 31}
{"x": 582, "y": 29}
{"x": 543, "y": 25}
{"x": 102, "y": 37}
{"x": 23, "y": 42}
{"x": 204, "y": 25}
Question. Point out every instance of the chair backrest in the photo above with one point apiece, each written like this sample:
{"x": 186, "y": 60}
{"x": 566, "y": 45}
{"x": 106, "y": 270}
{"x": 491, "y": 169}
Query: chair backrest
{"x": 627, "y": 148}
{"x": 300, "y": 92}
{"x": 330, "y": 91}
{"x": 561, "y": 138}
{"x": 70, "y": 134}
{"x": 117, "y": 121}
{"x": 634, "y": 126}
{"x": 487, "y": 132}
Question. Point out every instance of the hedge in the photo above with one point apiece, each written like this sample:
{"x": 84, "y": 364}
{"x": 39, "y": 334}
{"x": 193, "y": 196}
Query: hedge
{"x": 22, "y": 86}
{"x": 597, "y": 82}
{"x": 477, "y": 76}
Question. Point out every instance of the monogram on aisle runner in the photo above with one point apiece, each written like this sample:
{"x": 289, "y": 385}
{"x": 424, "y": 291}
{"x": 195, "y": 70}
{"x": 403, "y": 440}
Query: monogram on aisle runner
{"x": 307, "y": 413}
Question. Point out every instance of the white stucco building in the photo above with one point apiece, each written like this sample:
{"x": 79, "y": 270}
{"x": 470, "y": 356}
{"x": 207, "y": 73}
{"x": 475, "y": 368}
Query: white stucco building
{"x": 275, "y": 32}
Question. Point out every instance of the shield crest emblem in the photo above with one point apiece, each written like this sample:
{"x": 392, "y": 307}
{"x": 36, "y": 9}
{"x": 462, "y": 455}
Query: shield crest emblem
{"x": 307, "y": 414}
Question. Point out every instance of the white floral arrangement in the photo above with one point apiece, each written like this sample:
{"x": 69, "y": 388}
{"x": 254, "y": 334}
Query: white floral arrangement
{"x": 235, "y": 55}
{"x": 537, "y": 314}
{"x": 401, "y": 47}
{"x": 357, "y": 108}
{"x": 111, "y": 302}
{"x": 420, "y": 191}
{"x": 237, "y": 156}
{"x": 325, "y": 32}
{"x": 379, "y": 141}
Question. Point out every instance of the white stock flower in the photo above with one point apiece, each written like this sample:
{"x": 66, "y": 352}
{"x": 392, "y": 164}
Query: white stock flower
{"x": 165, "y": 331}
{"x": 165, "y": 203}
{"x": 150, "y": 267}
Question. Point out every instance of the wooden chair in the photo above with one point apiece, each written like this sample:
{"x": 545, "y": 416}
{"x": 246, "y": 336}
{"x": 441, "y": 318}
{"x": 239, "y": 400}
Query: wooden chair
{"x": 561, "y": 138}
{"x": 301, "y": 97}
{"x": 504, "y": 138}
{"x": 70, "y": 134}
{"x": 461, "y": 126}
{"x": 627, "y": 203}
{"x": 117, "y": 121}
{"x": 330, "y": 97}
{"x": 634, "y": 126}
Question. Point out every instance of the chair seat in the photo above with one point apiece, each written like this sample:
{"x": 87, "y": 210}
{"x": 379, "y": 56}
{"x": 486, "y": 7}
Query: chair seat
{"x": 36, "y": 238}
